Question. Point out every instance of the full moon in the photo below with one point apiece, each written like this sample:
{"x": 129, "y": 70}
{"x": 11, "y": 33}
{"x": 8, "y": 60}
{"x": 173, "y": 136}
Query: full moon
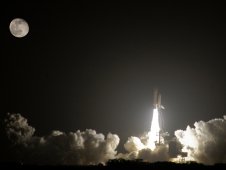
{"x": 19, "y": 27}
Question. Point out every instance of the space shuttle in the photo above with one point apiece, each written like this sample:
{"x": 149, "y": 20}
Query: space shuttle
{"x": 157, "y": 100}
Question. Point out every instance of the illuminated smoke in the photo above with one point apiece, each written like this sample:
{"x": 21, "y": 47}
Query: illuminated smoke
{"x": 79, "y": 147}
{"x": 17, "y": 128}
{"x": 150, "y": 146}
{"x": 205, "y": 142}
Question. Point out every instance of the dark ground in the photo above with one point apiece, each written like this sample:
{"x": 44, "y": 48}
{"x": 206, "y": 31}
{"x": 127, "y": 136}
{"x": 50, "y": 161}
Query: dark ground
{"x": 120, "y": 164}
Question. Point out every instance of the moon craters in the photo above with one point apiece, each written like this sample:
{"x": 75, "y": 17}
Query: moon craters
{"x": 19, "y": 27}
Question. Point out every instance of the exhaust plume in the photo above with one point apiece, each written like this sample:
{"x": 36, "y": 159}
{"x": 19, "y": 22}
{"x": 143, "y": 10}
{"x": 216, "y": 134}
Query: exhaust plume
{"x": 150, "y": 146}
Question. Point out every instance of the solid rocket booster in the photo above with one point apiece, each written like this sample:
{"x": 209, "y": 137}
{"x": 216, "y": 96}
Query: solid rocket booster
{"x": 157, "y": 100}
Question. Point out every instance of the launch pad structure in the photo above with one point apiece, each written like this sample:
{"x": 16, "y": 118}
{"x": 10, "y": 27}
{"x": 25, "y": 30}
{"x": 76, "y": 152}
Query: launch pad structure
{"x": 161, "y": 134}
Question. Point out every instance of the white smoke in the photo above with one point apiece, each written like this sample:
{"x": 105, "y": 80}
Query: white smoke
{"x": 133, "y": 144}
{"x": 139, "y": 148}
{"x": 150, "y": 146}
{"x": 80, "y": 147}
{"x": 205, "y": 142}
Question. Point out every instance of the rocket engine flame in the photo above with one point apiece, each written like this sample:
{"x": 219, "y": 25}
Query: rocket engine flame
{"x": 153, "y": 135}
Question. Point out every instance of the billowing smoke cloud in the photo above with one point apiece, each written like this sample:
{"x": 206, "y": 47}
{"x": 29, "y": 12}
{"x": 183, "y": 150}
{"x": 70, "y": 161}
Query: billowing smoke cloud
{"x": 150, "y": 146}
{"x": 17, "y": 129}
{"x": 205, "y": 143}
{"x": 137, "y": 148}
{"x": 80, "y": 147}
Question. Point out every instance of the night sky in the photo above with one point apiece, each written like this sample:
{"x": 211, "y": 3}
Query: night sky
{"x": 95, "y": 65}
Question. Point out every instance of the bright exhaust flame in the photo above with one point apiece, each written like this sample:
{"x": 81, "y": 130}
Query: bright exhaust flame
{"x": 151, "y": 140}
{"x": 153, "y": 135}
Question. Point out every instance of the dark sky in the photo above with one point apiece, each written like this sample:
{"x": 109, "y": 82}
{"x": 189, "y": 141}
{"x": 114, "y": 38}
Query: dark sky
{"x": 95, "y": 65}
